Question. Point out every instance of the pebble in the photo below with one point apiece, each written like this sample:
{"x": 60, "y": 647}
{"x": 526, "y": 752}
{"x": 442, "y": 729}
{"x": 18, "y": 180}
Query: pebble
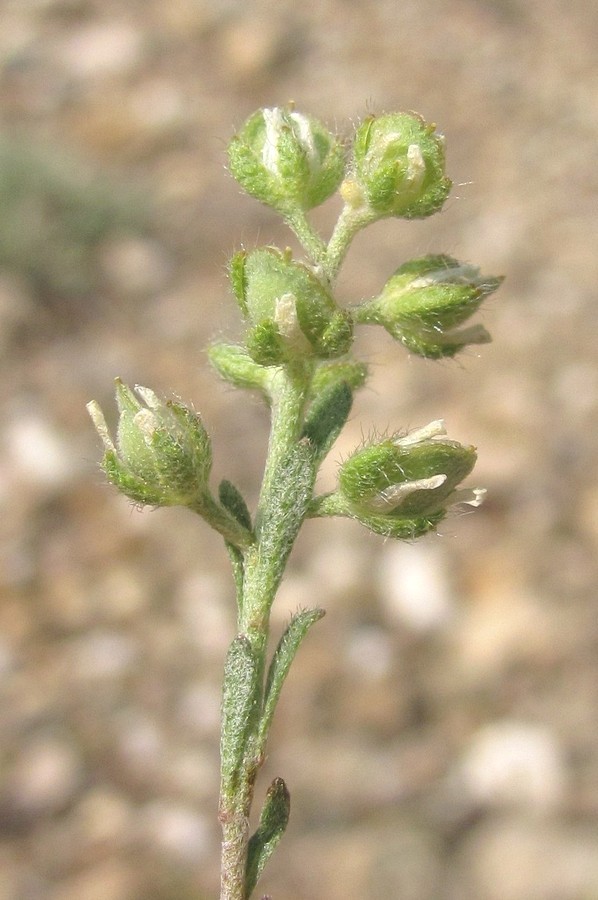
{"x": 104, "y": 655}
{"x": 38, "y": 452}
{"x": 100, "y": 49}
{"x": 45, "y": 776}
{"x": 109, "y": 880}
{"x": 206, "y": 613}
{"x": 177, "y": 830}
{"x": 136, "y": 265}
{"x": 414, "y": 585}
{"x": 370, "y": 652}
{"x": 198, "y": 709}
{"x": 526, "y": 859}
{"x": 514, "y": 764}
{"x": 104, "y": 817}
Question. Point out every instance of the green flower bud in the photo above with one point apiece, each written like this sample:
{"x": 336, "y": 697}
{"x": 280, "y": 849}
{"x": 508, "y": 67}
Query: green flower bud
{"x": 426, "y": 300}
{"x": 286, "y": 159}
{"x": 162, "y": 455}
{"x": 292, "y": 313}
{"x": 403, "y": 487}
{"x": 398, "y": 167}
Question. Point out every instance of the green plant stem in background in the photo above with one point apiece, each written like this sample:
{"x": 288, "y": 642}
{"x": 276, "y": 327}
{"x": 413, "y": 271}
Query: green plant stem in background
{"x": 297, "y": 355}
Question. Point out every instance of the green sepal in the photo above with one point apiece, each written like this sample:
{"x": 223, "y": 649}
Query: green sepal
{"x": 240, "y": 709}
{"x": 425, "y": 301}
{"x": 162, "y": 455}
{"x": 183, "y": 457}
{"x": 130, "y": 485}
{"x": 326, "y": 417}
{"x": 234, "y": 364}
{"x": 273, "y": 822}
{"x": 281, "y": 663}
{"x": 265, "y": 344}
{"x": 398, "y": 527}
{"x": 236, "y": 271}
{"x": 443, "y": 346}
{"x": 331, "y": 338}
{"x": 333, "y": 373}
{"x": 293, "y": 313}
{"x": 286, "y": 159}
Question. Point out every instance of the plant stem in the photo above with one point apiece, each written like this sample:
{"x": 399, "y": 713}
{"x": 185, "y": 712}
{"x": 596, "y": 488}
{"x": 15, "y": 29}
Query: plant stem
{"x": 263, "y": 564}
{"x": 350, "y": 221}
{"x": 309, "y": 238}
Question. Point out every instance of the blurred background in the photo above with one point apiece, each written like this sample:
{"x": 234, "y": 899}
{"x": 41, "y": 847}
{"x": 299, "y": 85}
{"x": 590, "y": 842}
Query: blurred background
{"x": 439, "y": 731}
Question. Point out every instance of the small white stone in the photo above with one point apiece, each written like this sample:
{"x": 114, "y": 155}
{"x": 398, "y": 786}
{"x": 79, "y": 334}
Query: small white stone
{"x": 199, "y": 708}
{"x": 38, "y": 451}
{"x": 178, "y": 830}
{"x": 514, "y": 763}
{"x": 102, "y": 49}
{"x": 103, "y": 655}
{"x": 413, "y": 585}
{"x": 370, "y": 651}
{"x": 45, "y": 777}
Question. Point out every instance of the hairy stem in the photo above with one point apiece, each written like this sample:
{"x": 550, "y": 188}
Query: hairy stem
{"x": 263, "y": 563}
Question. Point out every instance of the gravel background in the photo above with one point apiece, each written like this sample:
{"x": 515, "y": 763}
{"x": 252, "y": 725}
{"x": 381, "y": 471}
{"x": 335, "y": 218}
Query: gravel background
{"x": 439, "y": 731}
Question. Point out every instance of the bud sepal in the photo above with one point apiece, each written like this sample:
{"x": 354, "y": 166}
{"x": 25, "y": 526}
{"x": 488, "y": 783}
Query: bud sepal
{"x": 162, "y": 456}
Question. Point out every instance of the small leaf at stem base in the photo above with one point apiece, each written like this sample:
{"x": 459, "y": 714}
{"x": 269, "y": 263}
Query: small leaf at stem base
{"x": 273, "y": 822}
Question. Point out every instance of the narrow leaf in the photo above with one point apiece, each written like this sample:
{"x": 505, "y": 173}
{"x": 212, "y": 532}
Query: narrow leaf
{"x": 327, "y": 415}
{"x": 281, "y": 663}
{"x": 273, "y": 822}
{"x": 285, "y": 511}
{"x": 239, "y": 708}
{"x": 233, "y": 501}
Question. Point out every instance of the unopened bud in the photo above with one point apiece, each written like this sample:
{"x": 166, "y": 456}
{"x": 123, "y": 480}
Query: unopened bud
{"x": 399, "y": 166}
{"x": 291, "y": 313}
{"x": 403, "y": 487}
{"x": 162, "y": 454}
{"x": 286, "y": 159}
{"x": 426, "y": 300}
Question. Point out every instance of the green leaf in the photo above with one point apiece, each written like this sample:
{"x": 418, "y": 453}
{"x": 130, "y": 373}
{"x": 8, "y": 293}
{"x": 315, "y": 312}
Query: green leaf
{"x": 233, "y": 501}
{"x": 281, "y": 663}
{"x": 273, "y": 822}
{"x": 286, "y": 510}
{"x": 327, "y": 416}
{"x": 240, "y": 708}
